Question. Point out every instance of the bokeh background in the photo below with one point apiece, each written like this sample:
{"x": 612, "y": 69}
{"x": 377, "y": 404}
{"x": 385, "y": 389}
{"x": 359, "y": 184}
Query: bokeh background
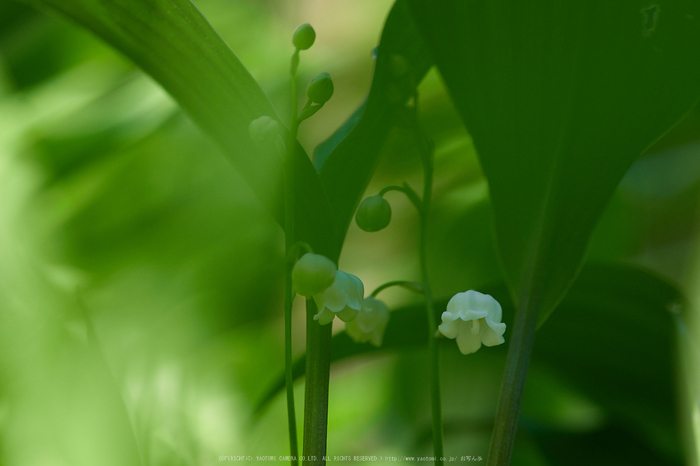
{"x": 141, "y": 282}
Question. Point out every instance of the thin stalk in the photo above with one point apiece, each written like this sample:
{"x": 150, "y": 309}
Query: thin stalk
{"x": 288, "y": 376}
{"x": 318, "y": 367}
{"x": 433, "y": 348}
{"x": 513, "y": 385}
{"x": 411, "y": 286}
{"x": 289, "y": 244}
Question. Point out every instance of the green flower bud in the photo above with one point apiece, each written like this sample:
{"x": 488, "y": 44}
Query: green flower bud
{"x": 374, "y": 214}
{"x": 320, "y": 89}
{"x": 304, "y": 37}
{"x": 263, "y": 130}
{"x": 312, "y": 274}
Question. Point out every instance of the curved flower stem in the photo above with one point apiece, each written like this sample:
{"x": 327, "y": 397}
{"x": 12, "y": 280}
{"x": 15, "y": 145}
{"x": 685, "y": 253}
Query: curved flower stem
{"x": 289, "y": 245}
{"x": 293, "y": 252}
{"x": 409, "y": 192}
{"x": 411, "y": 286}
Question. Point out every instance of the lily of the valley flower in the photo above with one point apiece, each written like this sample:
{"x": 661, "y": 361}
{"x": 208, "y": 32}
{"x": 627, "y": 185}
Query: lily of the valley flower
{"x": 343, "y": 298}
{"x": 370, "y": 323}
{"x": 473, "y": 318}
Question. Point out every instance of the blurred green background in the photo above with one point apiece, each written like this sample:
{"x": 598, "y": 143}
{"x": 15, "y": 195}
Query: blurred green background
{"x": 141, "y": 282}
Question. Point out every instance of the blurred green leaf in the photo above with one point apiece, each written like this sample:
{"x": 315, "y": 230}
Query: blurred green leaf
{"x": 560, "y": 98}
{"x": 349, "y": 157}
{"x": 175, "y": 44}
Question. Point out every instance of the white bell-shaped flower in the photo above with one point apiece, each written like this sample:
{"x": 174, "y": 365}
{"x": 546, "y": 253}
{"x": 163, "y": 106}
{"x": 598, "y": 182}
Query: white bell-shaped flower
{"x": 473, "y": 318}
{"x": 370, "y": 323}
{"x": 343, "y": 298}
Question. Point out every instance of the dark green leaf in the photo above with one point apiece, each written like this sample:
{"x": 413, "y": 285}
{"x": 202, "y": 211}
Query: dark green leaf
{"x": 560, "y": 98}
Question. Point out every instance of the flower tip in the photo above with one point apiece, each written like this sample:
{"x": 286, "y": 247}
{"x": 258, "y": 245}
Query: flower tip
{"x": 304, "y": 37}
{"x": 320, "y": 89}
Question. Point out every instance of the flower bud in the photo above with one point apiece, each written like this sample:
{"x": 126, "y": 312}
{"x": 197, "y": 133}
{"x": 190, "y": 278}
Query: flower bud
{"x": 320, "y": 89}
{"x": 312, "y": 274}
{"x": 374, "y": 214}
{"x": 304, "y": 37}
{"x": 263, "y": 130}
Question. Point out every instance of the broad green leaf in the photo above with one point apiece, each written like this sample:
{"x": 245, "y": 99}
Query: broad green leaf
{"x": 560, "y": 98}
{"x": 348, "y": 159}
{"x": 174, "y": 43}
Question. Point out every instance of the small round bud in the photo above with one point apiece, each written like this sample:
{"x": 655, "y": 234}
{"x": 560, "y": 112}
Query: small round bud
{"x": 320, "y": 89}
{"x": 312, "y": 274}
{"x": 374, "y": 214}
{"x": 304, "y": 37}
{"x": 262, "y": 130}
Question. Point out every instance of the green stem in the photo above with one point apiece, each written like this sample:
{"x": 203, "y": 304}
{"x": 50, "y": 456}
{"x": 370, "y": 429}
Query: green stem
{"x": 288, "y": 376}
{"x": 289, "y": 245}
{"x": 411, "y": 286}
{"x": 318, "y": 366}
{"x": 423, "y": 207}
{"x": 409, "y": 192}
{"x": 513, "y": 385}
{"x": 433, "y": 348}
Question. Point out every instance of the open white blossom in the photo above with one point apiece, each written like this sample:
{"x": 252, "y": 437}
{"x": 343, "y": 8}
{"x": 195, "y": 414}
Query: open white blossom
{"x": 343, "y": 298}
{"x": 370, "y": 323}
{"x": 473, "y": 318}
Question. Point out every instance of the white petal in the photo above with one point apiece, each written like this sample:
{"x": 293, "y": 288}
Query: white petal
{"x": 335, "y": 297}
{"x": 460, "y": 301}
{"x": 474, "y": 301}
{"x": 448, "y": 316}
{"x": 493, "y": 307}
{"x": 468, "y": 342}
{"x": 472, "y": 314}
{"x": 450, "y": 329}
{"x": 357, "y": 335}
{"x": 366, "y": 320}
{"x": 347, "y": 314}
{"x": 492, "y": 333}
{"x": 355, "y": 291}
